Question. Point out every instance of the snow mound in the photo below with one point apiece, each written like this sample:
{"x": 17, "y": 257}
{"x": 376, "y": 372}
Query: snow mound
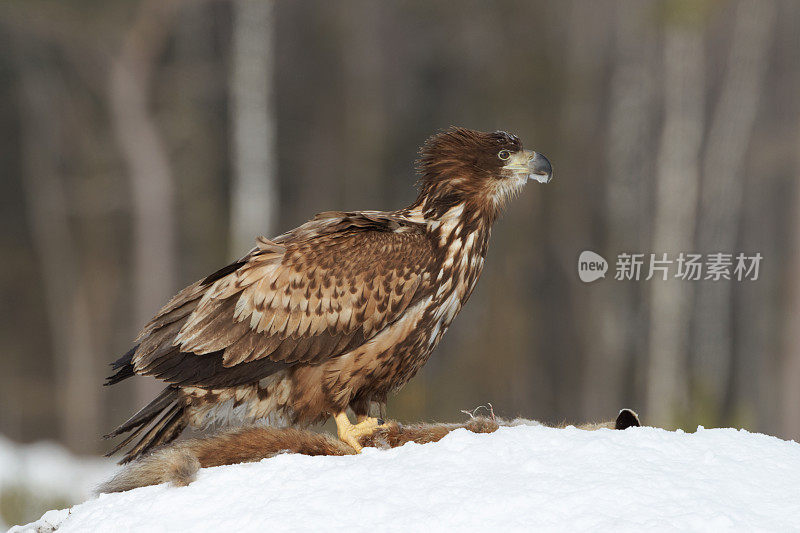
{"x": 517, "y": 478}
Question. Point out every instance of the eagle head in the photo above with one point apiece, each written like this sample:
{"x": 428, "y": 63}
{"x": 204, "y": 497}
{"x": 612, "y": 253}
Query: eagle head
{"x": 477, "y": 169}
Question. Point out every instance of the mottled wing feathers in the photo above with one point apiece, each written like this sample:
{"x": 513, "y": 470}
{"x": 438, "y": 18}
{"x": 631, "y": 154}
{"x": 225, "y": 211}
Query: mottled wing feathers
{"x": 311, "y": 294}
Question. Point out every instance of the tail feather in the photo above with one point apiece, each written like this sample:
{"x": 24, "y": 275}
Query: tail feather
{"x": 146, "y": 414}
{"x": 171, "y": 430}
{"x": 157, "y": 433}
{"x": 159, "y": 422}
{"x": 123, "y": 367}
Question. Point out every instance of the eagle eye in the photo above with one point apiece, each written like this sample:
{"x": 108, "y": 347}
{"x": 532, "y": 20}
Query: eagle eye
{"x": 504, "y": 154}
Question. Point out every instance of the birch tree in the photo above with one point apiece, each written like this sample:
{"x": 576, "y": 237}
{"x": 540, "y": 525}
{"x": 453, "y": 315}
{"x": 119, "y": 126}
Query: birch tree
{"x": 628, "y": 155}
{"x": 677, "y": 183}
{"x": 254, "y": 189}
{"x": 790, "y": 371}
{"x": 66, "y": 298}
{"x": 365, "y": 121}
{"x": 145, "y": 156}
{"x": 722, "y": 189}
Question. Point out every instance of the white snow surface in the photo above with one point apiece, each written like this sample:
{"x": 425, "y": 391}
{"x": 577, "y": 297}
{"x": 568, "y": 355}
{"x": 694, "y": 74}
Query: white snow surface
{"x": 516, "y": 479}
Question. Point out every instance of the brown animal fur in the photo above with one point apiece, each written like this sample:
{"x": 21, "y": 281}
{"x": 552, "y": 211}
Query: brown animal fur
{"x": 178, "y": 463}
{"x": 175, "y": 464}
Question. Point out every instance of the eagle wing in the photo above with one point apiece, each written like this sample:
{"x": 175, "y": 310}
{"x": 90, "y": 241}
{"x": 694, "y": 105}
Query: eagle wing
{"x": 311, "y": 294}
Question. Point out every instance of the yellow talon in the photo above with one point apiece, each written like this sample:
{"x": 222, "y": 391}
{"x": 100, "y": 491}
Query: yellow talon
{"x": 352, "y": 433}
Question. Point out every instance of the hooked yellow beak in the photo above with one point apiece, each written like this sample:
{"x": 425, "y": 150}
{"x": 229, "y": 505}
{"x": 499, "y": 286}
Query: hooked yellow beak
{"x": 532, "y": 164}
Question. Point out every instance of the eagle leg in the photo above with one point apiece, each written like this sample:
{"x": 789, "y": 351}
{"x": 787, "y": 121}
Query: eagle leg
{"x": 381, "y": 408}
{"x": 352, "y": 433}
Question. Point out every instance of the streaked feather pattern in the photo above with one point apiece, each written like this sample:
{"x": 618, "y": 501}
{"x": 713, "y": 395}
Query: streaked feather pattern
{"x": 302, "y": 298}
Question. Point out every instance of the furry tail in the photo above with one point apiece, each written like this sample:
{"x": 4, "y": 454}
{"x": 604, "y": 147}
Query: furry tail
{"x": 159, "y": 422}
{"x": 178, "y": 463}
{"x": 169, "y": 464}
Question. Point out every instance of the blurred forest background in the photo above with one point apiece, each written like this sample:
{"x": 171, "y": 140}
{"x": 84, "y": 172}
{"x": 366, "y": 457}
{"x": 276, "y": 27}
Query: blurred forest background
{"x": 147, "y": 143}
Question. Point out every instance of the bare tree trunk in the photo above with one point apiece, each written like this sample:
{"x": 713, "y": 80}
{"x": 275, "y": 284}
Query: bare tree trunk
{"x": 364, "y": 117}
{"x": 587, "y": 48}
{"x": 66, "y": 294}
{"x": 589, "y": 39}
{"x": 618, "y": 338}
{"x": 677, "y": 183}
{"x": 254, "y": 195}
{"x": 143, "y": 151}
{"x": 722, "y": 190}
{"x": 790, "y": 374}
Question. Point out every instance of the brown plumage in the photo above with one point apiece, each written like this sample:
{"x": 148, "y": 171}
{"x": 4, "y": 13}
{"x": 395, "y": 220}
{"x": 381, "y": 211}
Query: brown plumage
{"x": 178, "y": 463}
{"x": 333, "y": 314}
